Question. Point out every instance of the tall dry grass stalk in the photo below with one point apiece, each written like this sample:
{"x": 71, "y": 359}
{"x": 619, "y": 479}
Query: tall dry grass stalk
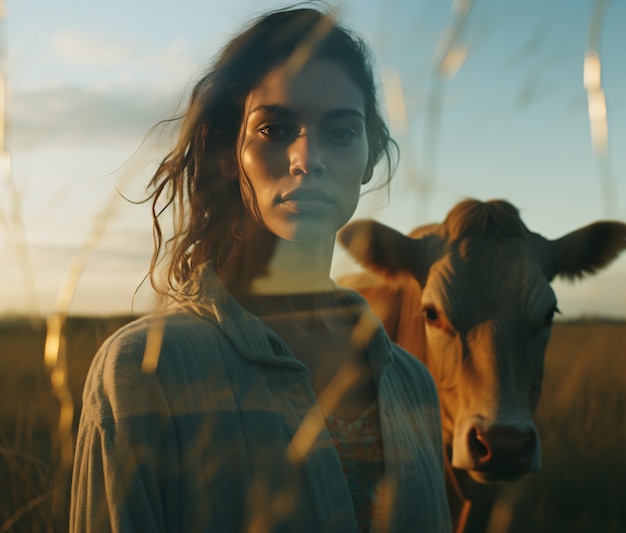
{"x": 55, "y": 354}
{"x": 598, "y": 113}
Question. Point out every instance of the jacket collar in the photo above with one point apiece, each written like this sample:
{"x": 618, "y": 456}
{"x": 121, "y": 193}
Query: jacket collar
{"x": 206, "y": 295}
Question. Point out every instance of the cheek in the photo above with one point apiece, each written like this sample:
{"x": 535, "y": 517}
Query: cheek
{"x": 349, "y": 168}
{"x": 355, "y": 160}
{"x": 258, "y": 169}
{"x": 255, "y": 161}
{"x": 445, "y": 352}
{"x": 365, "y": 173}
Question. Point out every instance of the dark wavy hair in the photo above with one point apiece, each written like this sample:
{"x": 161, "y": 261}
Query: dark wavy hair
{"x": 207, "y": 206}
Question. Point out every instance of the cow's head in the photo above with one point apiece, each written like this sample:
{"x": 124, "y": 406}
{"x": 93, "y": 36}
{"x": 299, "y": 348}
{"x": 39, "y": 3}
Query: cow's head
{"x": 487, "y": 310}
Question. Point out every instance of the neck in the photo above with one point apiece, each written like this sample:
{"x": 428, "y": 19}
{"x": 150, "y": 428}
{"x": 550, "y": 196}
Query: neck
{"x": 296, "y": 268}
{"x": 268, "y": 265}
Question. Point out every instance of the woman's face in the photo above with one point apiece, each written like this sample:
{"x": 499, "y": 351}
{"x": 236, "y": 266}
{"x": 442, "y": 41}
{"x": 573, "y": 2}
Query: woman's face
{"x": 303, "y": 151}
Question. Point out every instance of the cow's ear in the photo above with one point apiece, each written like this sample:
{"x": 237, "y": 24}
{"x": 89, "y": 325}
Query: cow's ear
{"x": 385, "y": 250}
{"x": 587, "y": 250}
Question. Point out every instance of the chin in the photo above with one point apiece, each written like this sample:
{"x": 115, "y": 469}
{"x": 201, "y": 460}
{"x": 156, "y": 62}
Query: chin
{"x": 313, "y": 231}
{"x": 494, "y": 477}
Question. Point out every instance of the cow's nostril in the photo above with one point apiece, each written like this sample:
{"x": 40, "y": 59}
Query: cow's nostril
{"x": 502, "y": 449}
{"x": 479, "y": 448}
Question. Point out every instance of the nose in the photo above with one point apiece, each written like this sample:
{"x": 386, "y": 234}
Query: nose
{"x": 505, "y": 450}
{"x": 305, "y": 156}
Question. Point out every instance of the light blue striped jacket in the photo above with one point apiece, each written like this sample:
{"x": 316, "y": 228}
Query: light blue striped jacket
{"x": 201, "y": 443}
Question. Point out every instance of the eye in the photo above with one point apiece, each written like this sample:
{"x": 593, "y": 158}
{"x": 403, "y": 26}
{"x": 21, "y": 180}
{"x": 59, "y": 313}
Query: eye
{"x": 340, "y": 136}
{"x": 549, "y": 318}
{"x": 540, "y": 327}
{"x": 273, "y": 131}
{"x": 432, "y": 316}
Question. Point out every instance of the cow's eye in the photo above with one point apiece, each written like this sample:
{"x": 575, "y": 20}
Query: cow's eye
{"x": 431, "y": 314}
{"x": 549, "y": 319}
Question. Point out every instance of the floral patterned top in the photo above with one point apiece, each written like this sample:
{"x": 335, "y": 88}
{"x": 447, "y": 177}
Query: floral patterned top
{"x": 360, "y": 448}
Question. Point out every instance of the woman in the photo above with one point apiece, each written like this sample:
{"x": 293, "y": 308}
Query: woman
{"x": 265, "y": 398}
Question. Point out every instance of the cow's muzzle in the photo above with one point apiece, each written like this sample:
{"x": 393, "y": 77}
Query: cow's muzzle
{"x": 502, "y": 453}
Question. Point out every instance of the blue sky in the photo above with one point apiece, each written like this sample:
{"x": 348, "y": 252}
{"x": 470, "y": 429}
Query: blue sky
{"x": 87, "y": 80}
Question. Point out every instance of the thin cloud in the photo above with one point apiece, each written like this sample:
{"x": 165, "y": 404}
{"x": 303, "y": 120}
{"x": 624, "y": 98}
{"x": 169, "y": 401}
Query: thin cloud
{"x": 70, "y": 114}
{"x": 90, "y": 50}
{"x": 111, "y": 52}
{"x": 96, "y": 87}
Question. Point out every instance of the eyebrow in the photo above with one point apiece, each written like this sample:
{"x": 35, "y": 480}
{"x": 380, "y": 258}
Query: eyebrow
{"x": 288, "y": 113}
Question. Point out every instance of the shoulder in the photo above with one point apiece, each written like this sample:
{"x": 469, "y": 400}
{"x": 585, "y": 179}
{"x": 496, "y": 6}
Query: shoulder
{"x": 175, "y": 330}
{"x": 164, "y": 334}
{"x": 411, "y": 380}
{"x": 409, "y": 366}
{"x": 150, "y": 360}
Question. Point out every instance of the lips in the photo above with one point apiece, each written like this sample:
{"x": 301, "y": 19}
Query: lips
{"x": 306, "y": 195}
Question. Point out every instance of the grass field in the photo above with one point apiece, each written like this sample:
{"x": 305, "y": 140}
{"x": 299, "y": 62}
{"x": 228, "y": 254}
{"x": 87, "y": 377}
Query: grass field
{"x": 581, "y": 419}
{"x": 582, "y": 424}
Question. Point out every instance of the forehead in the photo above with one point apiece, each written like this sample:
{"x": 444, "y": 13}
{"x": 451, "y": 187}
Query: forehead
{"x": 488, "y": 277}
{"x": 318, "y": 86}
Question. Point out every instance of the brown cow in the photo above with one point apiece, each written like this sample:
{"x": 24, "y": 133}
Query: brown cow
{"x": 471, "y": 297}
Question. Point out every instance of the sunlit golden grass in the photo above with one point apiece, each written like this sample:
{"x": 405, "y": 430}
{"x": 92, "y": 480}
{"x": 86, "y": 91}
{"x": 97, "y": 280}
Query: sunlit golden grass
{"x": 32, "y": 495}
{"x": 582, "y": 424}
{"x": 581, "y": 419}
